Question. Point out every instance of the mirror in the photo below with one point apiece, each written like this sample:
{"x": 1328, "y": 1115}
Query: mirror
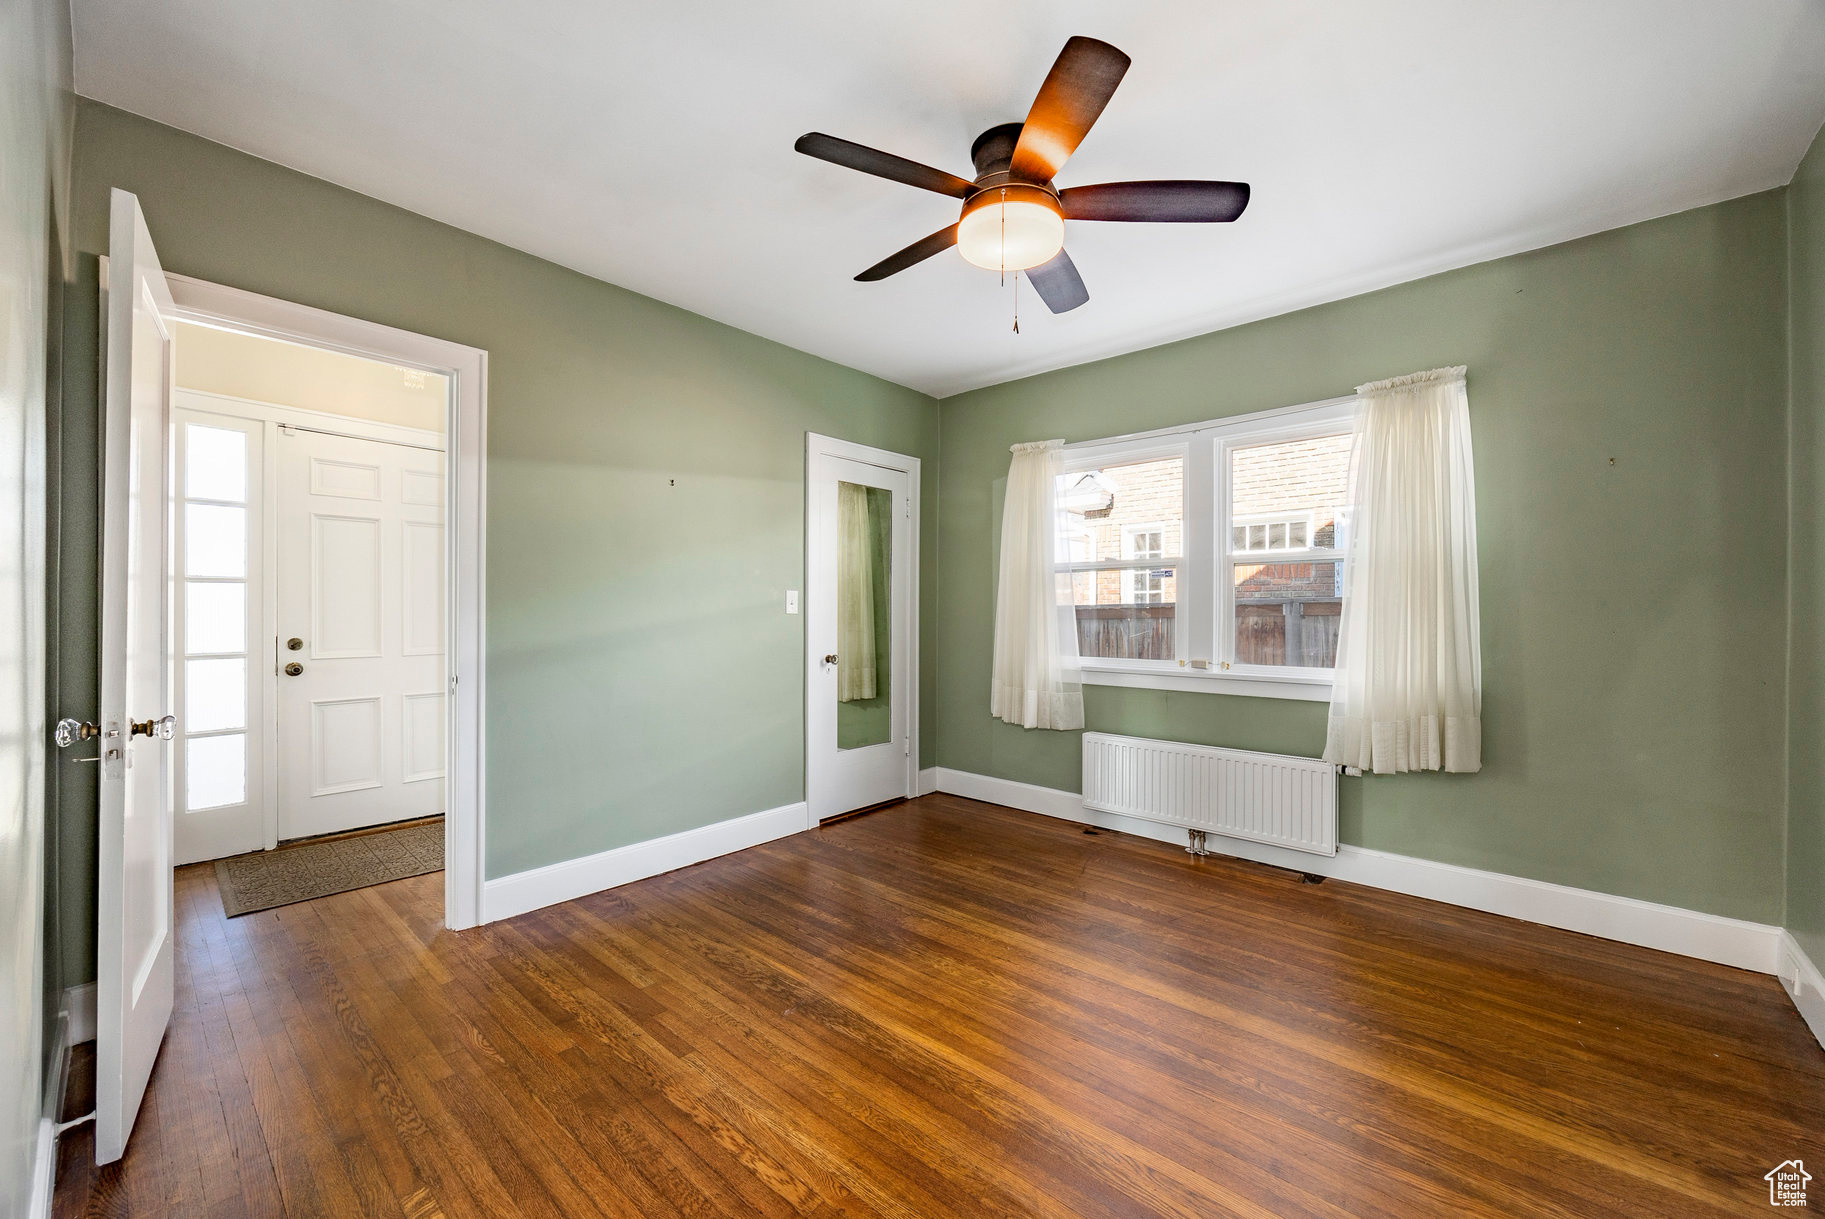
{"x": 864, "y": 614}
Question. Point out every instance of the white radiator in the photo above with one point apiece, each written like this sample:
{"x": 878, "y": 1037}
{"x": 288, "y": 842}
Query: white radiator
{"x": 1264, "y": 797}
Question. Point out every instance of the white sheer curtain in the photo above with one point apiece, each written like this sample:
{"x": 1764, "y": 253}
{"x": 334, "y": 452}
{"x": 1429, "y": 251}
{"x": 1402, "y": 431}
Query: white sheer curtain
{"x": 1034, "y": 680}
{"x": 855, "y": 665}
{"x": 1408, "y": 693}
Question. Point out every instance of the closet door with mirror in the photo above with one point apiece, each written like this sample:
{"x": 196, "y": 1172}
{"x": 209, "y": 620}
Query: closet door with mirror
{"x": 859, "y": 619}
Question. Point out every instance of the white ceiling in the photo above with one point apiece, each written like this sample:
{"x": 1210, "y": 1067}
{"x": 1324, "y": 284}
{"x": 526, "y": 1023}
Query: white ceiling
{"x": 650, "y": 144}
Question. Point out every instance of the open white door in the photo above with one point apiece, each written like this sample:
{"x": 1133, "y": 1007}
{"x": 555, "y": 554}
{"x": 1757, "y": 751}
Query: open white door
{"x": 134, "y": 948}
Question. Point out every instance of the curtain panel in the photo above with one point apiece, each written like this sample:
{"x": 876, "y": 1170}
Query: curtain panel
{"x": 1408, "y": 691}
{"x": 1034, "y": 679}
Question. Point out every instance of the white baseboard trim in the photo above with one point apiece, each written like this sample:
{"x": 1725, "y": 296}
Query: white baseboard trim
{"x": 1805, "y": 984}
{"x": 44, "y": 1170}
{"x": 79, "y": 1009}
{"x": 928, "y": 780}
{"x": 1691, "y": 933}
{"x": 561, "y": 882}
{"x": 44, "y": 1154}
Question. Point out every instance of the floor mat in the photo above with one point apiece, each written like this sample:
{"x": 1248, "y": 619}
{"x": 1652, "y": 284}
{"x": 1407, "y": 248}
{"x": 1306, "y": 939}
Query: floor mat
{"x": 298, "y": 873}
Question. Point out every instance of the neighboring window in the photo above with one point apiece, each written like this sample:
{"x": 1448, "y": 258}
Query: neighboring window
{"x": 1146, "y": 585}
{"x": 1212, "y": 552}
{"x": 1271, "y": 532}
{"x": 1123, "y": 528}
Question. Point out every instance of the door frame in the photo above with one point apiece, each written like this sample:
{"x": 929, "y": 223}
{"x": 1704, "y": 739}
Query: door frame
{"x": 272, "y": 416}
{"x": 465, "y": 506}
{"x": 819, "y": 525}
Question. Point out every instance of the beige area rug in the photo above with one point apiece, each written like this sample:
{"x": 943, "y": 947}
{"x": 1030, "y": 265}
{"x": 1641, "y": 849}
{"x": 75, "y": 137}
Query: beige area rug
{"x": 298, "y": 873}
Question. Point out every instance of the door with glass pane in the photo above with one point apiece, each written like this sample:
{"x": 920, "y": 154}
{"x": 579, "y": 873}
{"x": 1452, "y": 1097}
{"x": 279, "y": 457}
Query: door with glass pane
{"x": 219, "y": 636}
{"x": 360, "y": 625}
{"x": 858, "y": 619}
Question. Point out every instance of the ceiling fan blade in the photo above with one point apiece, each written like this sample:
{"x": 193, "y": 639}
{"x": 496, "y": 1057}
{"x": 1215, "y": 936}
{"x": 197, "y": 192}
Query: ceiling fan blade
{"x": 917, "y": 252}
{"x": 1058, "y": 283}
{"x": 881, "y": 164}
{"x": 1169, "y": 201}
{"x": 1076, "y": 90}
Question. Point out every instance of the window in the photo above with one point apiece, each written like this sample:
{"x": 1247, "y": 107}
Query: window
{"x": 1212, "y": 556}
{"x": 1123, "y": 530}
{"x": 1271, "y": 532}
{"x": 1146, "y": 585}
{"x": 213, "y": 615}
{"x": 1285, "y": 499}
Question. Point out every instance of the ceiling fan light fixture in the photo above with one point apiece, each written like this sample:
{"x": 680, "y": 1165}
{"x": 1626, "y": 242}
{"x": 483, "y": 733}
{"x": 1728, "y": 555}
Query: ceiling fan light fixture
{"x": 1011, "y": 228}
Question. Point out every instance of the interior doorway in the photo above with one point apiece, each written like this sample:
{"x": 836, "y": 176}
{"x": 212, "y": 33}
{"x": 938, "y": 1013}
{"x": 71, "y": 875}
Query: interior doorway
{"x": 308, "y": 625}
{"x": 327, "y": 614}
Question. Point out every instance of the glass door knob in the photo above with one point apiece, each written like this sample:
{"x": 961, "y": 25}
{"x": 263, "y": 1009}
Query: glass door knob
{"x": 164, "y": 728}
{"x": 70, "y": 731}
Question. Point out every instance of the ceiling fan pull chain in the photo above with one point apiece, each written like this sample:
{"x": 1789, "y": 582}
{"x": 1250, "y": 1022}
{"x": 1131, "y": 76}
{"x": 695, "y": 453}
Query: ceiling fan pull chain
{"x": 1016, "y": 302}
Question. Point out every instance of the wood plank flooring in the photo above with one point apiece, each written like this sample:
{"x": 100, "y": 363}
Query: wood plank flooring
{"x": 949, "y": 1008}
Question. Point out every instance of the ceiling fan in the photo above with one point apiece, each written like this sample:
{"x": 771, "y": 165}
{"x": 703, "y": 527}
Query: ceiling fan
{"x": 1013, "y": 216}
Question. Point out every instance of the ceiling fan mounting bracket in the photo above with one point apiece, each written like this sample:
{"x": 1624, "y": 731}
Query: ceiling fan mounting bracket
{"x": 993, "y": 150}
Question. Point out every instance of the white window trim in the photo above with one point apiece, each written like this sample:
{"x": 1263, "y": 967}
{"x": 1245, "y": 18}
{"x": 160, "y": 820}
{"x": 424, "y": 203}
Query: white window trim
{"x": 1206, "y": 630}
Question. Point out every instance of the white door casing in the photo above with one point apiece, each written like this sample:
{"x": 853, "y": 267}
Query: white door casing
{"x": 360, "y": 573}
{"x": 134, "y": 932}
{"x": 466, "y": 494}
{"x": 838, "y": 780}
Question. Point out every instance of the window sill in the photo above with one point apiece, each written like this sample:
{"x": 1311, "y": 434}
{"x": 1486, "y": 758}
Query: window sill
{"x": 1313, "y": 689}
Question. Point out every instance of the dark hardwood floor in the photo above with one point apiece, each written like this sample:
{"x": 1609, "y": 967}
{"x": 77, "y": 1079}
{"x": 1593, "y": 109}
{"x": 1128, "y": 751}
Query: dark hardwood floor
{"x": 949, "y": 1008}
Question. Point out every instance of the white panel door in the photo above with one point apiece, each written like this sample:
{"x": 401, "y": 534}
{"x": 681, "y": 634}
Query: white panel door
{"x": 857, "y": 631}
{"x": 363, "y": 691}
{"x": 134, "y": 904}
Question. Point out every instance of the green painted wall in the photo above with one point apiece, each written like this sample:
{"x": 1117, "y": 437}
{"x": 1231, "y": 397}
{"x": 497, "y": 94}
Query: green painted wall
{"x": 645, "y": 496}
{"x": 1806, "y": 697}
{"x": 1634, "y": 619}
{"x": 34, "y": 193}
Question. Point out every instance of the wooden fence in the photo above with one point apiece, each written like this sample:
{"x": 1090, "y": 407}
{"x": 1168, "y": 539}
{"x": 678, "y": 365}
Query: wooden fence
{"x": 1263, "y": 629}
{"x": 1126, "y": 632}
{"x": 1145, "y": 632}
